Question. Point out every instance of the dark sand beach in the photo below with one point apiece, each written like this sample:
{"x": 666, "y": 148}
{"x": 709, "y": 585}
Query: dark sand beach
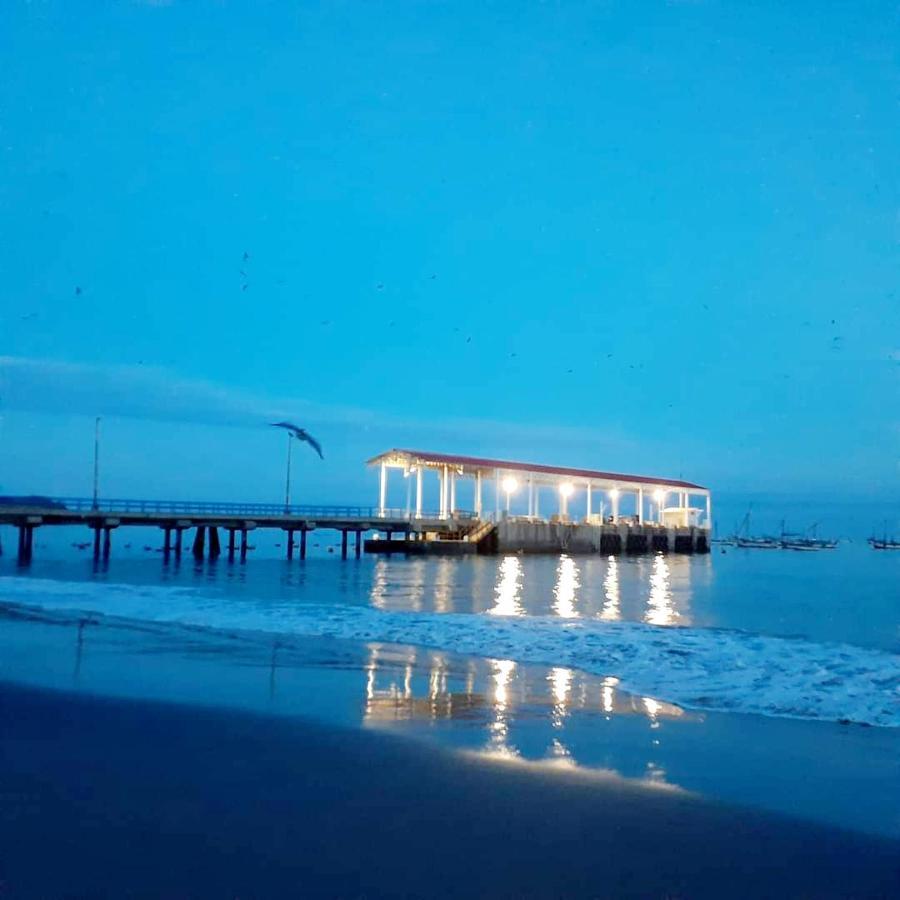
{"x": 105, "y": 797}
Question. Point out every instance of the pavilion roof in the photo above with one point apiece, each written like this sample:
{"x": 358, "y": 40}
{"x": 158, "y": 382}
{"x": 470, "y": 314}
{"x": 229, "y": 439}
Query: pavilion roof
{"x": 401, "y": 458}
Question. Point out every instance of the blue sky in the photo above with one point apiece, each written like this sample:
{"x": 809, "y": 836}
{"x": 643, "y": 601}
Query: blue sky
{"x": 656, "y": 237}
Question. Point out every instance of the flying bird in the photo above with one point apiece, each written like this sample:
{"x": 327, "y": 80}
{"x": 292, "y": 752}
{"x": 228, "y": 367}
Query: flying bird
{"x": 301, "y": 435}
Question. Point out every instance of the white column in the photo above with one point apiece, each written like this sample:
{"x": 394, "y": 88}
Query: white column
{"x": 709, "y": 511}
{"x": 478, "y": 494}
{"x": 537, "y": 501}
{"x": 615, "y": 506}
{"x": 640, "y": 506}
{"x": 445, "y": 478}
{"x": 661, "y": 504}
{"x": 382, "y": 493}
{"x": 418, "y": 492}
{"x": 497, "y": 497}
{"x": 452, "y": 493}
{"x": 530, "y": 495}
{"x": 408, "y": 494}
{"x": 563, "y": 504}
{"x": 588, "y": 507}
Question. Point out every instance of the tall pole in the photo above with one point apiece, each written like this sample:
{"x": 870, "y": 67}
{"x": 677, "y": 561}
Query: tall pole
{"x": 287, "y": 479}
{"x": 96, "y": 460}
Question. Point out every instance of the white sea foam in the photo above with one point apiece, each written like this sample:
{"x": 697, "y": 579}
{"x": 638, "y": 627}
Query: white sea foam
{"x": 713, "y": 669}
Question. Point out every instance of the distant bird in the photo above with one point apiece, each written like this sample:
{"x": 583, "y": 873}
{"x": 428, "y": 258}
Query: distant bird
{"x": 77, "y": 291}
{"x": 246, "y": 256}
{"x": 242, "y": 272}
{"x": 243, "y": 287}
{"x": 301, "y": 435}
{"x": 433, "y": 277}
{"x": 468, "y": 340}
{"x": 379, "y": 287}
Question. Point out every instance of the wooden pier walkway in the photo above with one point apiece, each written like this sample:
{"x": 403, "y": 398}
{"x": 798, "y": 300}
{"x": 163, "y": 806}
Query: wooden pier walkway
{"x": 238, "y": 519}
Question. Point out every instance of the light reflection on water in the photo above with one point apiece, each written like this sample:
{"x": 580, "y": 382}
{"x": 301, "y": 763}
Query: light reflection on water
{"x": 566, "y": 588}
{"x": 497, "y": 699}
{"x": 509, "y": 586}
{"x": 656, "y": 590}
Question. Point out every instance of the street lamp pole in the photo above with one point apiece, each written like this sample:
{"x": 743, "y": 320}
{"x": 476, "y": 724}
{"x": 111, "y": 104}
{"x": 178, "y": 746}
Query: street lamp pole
{"x": 96, "y": 460}
{"x": 287, "y": 480}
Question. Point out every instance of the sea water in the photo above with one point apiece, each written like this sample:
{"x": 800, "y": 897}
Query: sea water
{"x": 759, "y": 677}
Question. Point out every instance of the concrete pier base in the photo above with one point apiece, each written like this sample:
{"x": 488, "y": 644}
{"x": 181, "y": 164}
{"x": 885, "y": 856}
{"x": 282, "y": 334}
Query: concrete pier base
{"x": 511, "y": 536}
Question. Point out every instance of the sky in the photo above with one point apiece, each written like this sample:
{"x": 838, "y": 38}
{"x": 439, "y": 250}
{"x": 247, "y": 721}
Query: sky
{"x": 659, "y": 238}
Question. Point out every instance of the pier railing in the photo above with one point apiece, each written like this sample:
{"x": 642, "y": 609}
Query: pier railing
{"x": 212, "y": 508}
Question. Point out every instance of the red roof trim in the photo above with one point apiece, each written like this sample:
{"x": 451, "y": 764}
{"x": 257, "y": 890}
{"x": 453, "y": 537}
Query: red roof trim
{"x": 478, "y": 462}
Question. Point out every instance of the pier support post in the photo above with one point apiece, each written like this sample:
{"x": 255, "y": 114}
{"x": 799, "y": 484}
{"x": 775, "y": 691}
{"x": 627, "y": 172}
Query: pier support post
{"x": 178, "y": 536}
{"x": 358, "y": 545}
{"x": 26, "y": 544}
{"x": 344, "y": 544}
{"x": 107, "y": 531}
{"x": 214, "y": 547}
{"x": 382, "y": 490}
{"x": 302, "y": 543}
{"x": 96, "y": 542}
{"x": 478, "y": 495}
{"x": 290, "y": 544}
{"x": 167, "y": 542}
{"x": 640, "y": 504}
{"x": 243, "y": 544}
{"x": 231, "y": 532}
{"x": 199, "y": 542}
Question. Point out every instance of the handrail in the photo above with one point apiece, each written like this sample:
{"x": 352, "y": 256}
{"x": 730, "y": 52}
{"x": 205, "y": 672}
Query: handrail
{"x": 202, "y": 507}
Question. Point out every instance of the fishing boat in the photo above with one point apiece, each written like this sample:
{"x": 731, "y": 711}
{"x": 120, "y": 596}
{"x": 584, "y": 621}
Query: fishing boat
{"x": 807, "y": 542}
{"x": 743, "y": 538}
{"x": 884, "y": 542}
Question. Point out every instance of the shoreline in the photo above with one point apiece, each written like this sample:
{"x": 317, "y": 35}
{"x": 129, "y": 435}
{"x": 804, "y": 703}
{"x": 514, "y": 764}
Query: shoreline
{"x": 161, "y": 799}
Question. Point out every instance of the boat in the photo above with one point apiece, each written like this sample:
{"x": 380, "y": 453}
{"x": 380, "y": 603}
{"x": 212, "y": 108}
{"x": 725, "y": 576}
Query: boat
{"x": 743, "y": 538}
{"x": 758, "y": 543}
{"x": 884, "y": 542}
{"x": 808, "y": 542}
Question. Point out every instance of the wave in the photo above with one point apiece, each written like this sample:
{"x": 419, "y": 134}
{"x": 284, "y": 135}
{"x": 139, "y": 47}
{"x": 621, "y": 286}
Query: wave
{"x": 711, "y": 669}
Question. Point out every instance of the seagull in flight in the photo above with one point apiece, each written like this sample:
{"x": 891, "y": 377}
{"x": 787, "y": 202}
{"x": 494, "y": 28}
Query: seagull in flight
{"x": 301, "y": 435}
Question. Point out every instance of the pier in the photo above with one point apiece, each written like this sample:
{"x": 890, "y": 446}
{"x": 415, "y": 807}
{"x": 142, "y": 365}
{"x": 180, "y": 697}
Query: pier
{"x": 588, "y": 511}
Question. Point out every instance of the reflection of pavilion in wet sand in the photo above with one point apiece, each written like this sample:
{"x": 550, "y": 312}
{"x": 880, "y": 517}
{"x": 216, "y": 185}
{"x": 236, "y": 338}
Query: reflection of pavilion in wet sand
{"x": 403, "y": 684}
{"x": 617, "y": 513}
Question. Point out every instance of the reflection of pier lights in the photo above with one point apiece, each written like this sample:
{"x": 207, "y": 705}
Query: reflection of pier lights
{"x": 564, "y": 591}
{"x": 443, "y": 585}
{"x": 608, "y": 695}
{"x": 379, "y": 584}
{"x": 560, "y": 680}
{"x": 503, "y": 670}
{"x": 508, "y": 590}
{"x": 611, "y": 611}
{"x": 660, "y": 609}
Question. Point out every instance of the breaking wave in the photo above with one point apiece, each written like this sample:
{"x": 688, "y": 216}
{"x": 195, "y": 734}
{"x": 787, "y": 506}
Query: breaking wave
{"x": 712, "y": 669}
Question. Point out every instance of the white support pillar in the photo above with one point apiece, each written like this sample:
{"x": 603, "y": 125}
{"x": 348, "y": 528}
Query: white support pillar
{"x": 640, "y": 506}
{"x": 497, "y": 497}
{"x": 382, "y": 492}
{"x": 588, "y": 506}
{"x": 537, "y": 501}
{"x": 408, "y": 494}
{"x": 478, "y": 494}
{"x": 661, "y": 505}
{"x": 452, "y": 493}
{"x": 530, "y": 495}
{"x": 445, "y": 491}
{"x": 563, "y": 505}
{"x": 614, "y": 495}
{"x": 709, "y": 511}
{"x": 418, "y": 492}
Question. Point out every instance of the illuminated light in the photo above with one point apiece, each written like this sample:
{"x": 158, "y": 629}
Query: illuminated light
{"x": 614, "y": 492}
{"x": 510, "y": 485}
{"x": 611, "y": 611}
{"x": 659, "y": 495}
{"x": 566, "y": 489}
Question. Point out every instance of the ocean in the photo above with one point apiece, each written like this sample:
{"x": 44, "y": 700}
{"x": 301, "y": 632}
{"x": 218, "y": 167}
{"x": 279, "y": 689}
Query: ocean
{"x": 765, "y": 679}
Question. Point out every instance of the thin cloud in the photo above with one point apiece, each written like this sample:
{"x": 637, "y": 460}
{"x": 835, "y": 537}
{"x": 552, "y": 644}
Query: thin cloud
{"x": 159, "y": 394}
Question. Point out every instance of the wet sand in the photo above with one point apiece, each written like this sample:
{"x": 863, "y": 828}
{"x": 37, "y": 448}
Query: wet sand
{"x": 105, "y": 797}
